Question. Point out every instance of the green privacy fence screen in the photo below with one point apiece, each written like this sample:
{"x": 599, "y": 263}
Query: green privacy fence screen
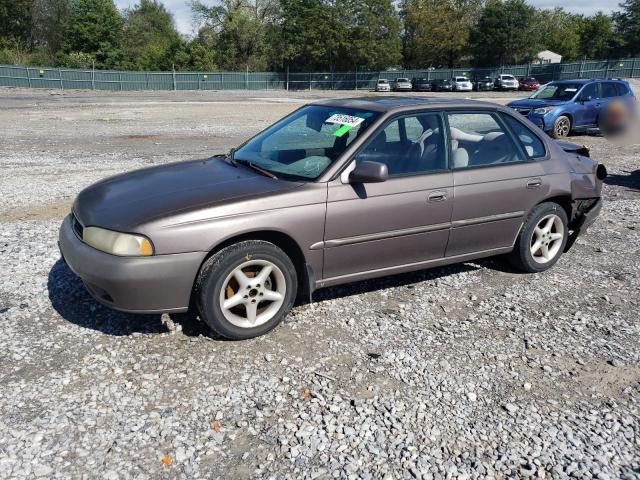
{"x": 63, "y": 78}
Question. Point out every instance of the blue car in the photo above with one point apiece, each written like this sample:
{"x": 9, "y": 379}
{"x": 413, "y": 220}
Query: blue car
{"x": 567, "y": 106}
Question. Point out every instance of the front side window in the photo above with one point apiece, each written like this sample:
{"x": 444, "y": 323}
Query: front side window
{"x": 478, "y": 139}
{"x": 531, "y": 144}
{"x": 409, "y": 145}
{"x": 307, "y": 142}
{"x": 590, "y": 92}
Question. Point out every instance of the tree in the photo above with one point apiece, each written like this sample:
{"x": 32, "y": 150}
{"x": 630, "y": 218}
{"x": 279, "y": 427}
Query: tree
{"x": 95, "y": 28}
{"x": 597, "y": 39}
{"x": 16, "y": 19}
{"x": 151, "y": 41}
{"x": 505, "y": 34}
{"x": 627, "y": 24}
{"x": 559, "y": 31}
{"x": 437, "y": 31}
{"x": 50, "y": 23}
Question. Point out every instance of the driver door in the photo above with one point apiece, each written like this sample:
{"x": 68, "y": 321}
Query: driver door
{"x": 378, "y": 228}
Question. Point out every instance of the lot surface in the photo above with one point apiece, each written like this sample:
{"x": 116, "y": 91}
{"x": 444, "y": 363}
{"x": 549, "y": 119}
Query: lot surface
{"x": 469, "y": 371}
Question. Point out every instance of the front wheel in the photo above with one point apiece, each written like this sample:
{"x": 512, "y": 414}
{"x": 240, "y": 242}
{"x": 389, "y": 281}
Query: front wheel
{"x": 542, "y": 238}
{"x": 561, "y": 127}
{"x": 246, "y": 289}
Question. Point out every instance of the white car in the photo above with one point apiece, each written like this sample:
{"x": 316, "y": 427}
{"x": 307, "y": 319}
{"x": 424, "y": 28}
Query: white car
{"x": 461, "y": 84}
{"x": 506, "y": 82}
{"x": 402, "y": 85}
{"x": 383, "y": 85}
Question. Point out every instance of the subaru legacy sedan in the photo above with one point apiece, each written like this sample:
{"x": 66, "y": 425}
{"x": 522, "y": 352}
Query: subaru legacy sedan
{"x": 338, "y": 191}
{"x": 566, "y": 106}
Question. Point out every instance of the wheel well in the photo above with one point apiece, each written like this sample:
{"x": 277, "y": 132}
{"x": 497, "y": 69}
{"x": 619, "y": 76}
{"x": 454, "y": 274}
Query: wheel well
{"x": 564, "y": 201}
{"x": 569, "y": 116}
{"x": 279, "y": 239}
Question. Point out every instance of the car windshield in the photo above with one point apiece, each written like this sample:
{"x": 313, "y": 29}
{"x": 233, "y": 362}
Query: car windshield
{"x": 557, "y": 91}
{"x": 508, "y": 77}
{"x": 307, "y": 142}
{"x": 383, "y": 81}
{"x": 462, "y": 79}
{"x": 403, "y": 80}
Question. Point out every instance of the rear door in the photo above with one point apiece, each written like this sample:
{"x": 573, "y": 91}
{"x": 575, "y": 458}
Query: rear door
{"x": 496, "y": 177}
{"x": 587, "y": 114}
{"x": 403, "y": 221}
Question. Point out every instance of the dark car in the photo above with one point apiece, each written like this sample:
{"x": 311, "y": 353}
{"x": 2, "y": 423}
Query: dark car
{"x": 483, "y": 84}
{"x": 564, "y": 106}
{"x": 528, "y": 84}
{"x": 340, "y": 190}
{"x": 442, "y": 85}
{"x": 421, "y": 84}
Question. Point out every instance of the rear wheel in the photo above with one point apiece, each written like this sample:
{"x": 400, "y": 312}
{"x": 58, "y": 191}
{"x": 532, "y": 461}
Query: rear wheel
{"x": 561, "y": 127}
{"x": 246, "y": 289}
{"x": 542, "y": 238}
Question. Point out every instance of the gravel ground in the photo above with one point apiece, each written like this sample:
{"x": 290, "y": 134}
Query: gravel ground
{"x": 468, "y": 371}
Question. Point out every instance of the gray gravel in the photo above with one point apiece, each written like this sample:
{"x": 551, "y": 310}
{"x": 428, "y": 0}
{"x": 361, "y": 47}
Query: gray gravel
{"x": 468, "y": 371}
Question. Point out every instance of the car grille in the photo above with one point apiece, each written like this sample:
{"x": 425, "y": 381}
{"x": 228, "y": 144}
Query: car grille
{"x": 77, "y": 227}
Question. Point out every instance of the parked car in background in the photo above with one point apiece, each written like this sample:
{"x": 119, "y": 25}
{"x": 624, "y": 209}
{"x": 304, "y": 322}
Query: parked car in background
{"x": 383, "y": 85}
{"x": 564, "y": 106}
{"x": 338, "y": 191}
{"x": 461, "y": 84}
{"x": 528, "y": 84}
{"x": 402, "y": 85}
{"x": 483, "y": 84}
{"x": 421, "y": 84}
{"x": 506, "y": 82}
{"x": 441, "y": 85}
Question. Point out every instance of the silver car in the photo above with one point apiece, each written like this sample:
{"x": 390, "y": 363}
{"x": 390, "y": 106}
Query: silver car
{"x": 506, "y": 82}
{"x": 383, "y": 85}
{"x": 402, "y": 85}
{"x": 461, "y": 84}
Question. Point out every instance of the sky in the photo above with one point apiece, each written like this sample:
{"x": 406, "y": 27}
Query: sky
{"x": 182, "y": 12}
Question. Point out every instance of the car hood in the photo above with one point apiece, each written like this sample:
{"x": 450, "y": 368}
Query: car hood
{"x": 535, "y": 103}
{"x": 125, "y": 201}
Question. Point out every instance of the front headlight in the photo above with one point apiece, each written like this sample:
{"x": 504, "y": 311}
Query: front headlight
{"x": 544, "y": 110}
{"x": 116, "y": 243}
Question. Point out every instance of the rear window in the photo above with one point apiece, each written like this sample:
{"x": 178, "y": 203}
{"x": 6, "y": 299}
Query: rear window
{"x": 462, "y": 79}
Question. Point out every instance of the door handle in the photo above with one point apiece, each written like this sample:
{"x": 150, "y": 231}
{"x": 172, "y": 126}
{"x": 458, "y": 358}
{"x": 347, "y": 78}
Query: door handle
{"x": 534, "y": 183}
{"x": 437, "y": 196}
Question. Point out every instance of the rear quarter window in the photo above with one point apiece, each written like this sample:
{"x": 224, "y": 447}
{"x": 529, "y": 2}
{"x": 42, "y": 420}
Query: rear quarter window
{"x": 609, "y": 90}
{"x": 531, "y": 144}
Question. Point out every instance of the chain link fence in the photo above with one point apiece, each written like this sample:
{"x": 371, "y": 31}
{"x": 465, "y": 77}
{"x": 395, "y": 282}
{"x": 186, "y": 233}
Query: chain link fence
{"x": 64, "y": 78}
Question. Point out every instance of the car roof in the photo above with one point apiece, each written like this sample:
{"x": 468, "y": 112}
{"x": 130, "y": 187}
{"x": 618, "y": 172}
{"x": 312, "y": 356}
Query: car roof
{"x": 391, "y": 103}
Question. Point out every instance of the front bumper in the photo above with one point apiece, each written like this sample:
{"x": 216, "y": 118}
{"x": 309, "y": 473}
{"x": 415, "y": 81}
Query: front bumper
{"x": 156, "y": 284}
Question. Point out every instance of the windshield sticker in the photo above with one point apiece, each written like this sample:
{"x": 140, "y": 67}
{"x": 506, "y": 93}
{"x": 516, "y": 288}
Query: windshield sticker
{"x": 344, "y": 120}
{"x": 570, "y": 89}
{"x": 342, "y": 130}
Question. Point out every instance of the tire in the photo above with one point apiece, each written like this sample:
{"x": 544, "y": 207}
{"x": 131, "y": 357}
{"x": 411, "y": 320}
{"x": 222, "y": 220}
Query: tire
{"x": 235, "y": 273}
{"x": 525, "y": 255}
{"x": 561, "y": 127}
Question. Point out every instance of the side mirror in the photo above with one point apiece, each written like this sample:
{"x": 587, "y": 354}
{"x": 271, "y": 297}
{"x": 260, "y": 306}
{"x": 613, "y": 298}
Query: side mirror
{"x": 369, "y": 172}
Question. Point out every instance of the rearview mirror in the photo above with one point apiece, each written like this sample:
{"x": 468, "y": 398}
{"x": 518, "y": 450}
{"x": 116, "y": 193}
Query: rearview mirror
{"x": 369, "y": 172}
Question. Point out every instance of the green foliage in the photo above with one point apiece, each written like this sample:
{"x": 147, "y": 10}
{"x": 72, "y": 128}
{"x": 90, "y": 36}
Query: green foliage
{"x": 307, "y": 35}
{"x": 150, "y": 39}
{"x": 505, "y": 34}
{"x": 95, "y": 28}
{"x": 437, "y": 31}
{"x": 627, "y": 24}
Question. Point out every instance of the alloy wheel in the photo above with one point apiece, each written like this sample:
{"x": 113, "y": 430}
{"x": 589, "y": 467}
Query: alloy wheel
{"x": 547, "y": 237}
{"x": 252, "y": 293}
{"x": 563, "y": 125}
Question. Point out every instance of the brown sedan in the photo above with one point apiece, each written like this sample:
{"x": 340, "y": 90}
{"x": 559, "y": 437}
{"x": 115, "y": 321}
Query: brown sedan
{"x": 338, "y": 191}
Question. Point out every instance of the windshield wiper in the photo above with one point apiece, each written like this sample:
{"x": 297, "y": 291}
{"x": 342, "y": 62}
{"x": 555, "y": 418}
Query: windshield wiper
{"x": 255, "y": 167}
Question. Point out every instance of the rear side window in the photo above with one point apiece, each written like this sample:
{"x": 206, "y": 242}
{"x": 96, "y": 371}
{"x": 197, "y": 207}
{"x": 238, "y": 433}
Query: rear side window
{"x": 531, "y": 144}
{"x": 478, "y": 139}
{"x": 622, "y": 89}
{"x": 609, "y": 90}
